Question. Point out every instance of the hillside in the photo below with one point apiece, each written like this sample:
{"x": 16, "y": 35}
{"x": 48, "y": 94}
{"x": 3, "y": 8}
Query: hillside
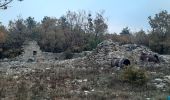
{"x": 86, "y": 77}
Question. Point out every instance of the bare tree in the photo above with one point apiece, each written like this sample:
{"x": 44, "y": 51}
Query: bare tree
{"x": 4, "y": 3}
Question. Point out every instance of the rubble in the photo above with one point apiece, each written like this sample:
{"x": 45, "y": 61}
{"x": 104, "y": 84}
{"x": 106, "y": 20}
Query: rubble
{"x": 158, "y": 80}
{"x": 33, "y": 66}
{"x": 102, "y": 55}
{"x": 161, "y": 83}
{"x": 107, "y": 50}
{"x": 167, "y": 78}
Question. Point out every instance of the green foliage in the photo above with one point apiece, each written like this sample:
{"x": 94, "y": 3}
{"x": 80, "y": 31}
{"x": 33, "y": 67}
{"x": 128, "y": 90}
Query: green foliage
{"x": 159, "y": 36}
{"x": 134, "y": 76}
{"x": 94, "y": 43}
{"x": 68, "y": 54}
{"x": 100, "y": 25}
{"x": 14, "y": 38}
{"x": 141, "y": 38}
{"x": 76, "y": 31}
{"x": 22, "y": 90}
{"x": 17, "y": 33}
{"x": 11, "y": 53}
{"x": 125, "y": 31}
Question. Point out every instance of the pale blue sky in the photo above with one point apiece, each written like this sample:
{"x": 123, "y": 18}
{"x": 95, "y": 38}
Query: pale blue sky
{"x": 120, "y": 13}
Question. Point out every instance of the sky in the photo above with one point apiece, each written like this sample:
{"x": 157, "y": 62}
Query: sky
{"x": 120, "y": 13}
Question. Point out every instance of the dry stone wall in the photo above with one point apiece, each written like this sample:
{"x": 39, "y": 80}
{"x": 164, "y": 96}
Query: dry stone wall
{"x": 31, "y": 52}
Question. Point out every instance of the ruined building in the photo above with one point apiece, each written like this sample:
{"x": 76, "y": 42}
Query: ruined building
{"x": 31, "y": 52}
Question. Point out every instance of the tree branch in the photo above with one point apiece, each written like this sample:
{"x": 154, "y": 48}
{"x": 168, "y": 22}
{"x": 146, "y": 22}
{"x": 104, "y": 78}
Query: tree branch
{"x": 5, "y": 3}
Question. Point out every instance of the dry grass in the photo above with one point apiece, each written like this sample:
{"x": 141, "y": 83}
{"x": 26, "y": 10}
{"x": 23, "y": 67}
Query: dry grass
{"x": 87, "y": 83}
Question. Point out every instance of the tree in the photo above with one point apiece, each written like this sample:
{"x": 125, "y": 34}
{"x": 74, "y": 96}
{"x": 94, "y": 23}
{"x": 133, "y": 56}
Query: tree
{"x": 3, "y": 37}
{"x": 17, "y": 33}
{"x": 31, "y": 26}
{"x": 125, "y": 31}
{"x": 74, "y": 32}
{"x": 90, "y": 23}
{"x": 52, "y": 38}
{"x": 4, "y": 3}
{"x": 98, "y": 29}
{"x": 48, "y": 40}
{"x": 141, "y": 38}
{"x": 74, "y": 29}
{"x": 14, "y": 38}
{"x": 126, "y": 36}
{"x": 160, "y": 33}
{"x": 100, "y": 25}
{"x": 30, "y": 23}
{"x": 3, "y": 34}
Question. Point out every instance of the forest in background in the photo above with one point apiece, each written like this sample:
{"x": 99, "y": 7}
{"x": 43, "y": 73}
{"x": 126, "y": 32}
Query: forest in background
{"x": 80, "y": 31}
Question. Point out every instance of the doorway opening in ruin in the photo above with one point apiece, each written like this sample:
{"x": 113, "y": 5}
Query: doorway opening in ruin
{"x": 34, "y": 53}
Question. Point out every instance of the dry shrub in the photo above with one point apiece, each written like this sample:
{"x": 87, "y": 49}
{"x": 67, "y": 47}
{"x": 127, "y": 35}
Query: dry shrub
{"x": 134, "y": 75}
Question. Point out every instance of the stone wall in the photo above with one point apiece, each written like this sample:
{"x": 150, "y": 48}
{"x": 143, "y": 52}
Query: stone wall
{"x": 31, "y": 52}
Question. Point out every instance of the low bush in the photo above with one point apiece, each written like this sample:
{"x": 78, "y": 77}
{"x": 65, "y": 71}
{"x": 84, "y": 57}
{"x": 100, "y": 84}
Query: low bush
{"x": 134, "y": 75}
{"x": 68, "y": 54}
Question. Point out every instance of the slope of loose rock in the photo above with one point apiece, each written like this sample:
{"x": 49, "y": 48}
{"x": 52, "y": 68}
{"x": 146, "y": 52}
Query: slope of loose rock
{"x": 108, "y": 49}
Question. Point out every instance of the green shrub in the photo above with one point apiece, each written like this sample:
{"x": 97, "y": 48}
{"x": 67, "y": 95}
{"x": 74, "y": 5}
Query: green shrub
{"x": 11, "y": 53}
{"x": 134, "y": 76}
{"x": 68, "y": 54}
{"x": 76, "y": 49}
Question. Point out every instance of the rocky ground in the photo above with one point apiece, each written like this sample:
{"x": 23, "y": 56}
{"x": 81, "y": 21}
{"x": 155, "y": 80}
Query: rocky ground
{"x": 89, "y": 77}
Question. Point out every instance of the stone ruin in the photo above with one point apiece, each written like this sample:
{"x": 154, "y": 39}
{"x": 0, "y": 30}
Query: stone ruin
{"x": 31, "y": 52}
{"x": 104, "y": 54}
{"x": 107, "y": 51}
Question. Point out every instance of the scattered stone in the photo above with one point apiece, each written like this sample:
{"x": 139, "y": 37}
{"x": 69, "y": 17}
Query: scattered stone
{"x": 148, "y": 98}
{"x": 79, "y": 81}
{"x": 160, "y": 85}
{"x": 47, "y": 68}
{"x": 48, "y": 78}
{"x": 85, "y": 80}
{"x": 86, "y": 92}
{"x": 158, "y": 80}
{"x": 92, "y": 90}
{"x": 167, "y": 78}
{"x": 153, "y": 73}
{"x": 15, "y": 77}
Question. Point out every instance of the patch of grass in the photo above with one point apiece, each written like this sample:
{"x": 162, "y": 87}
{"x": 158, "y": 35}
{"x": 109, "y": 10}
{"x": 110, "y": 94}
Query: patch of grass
{"x": 68, "y": 84}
